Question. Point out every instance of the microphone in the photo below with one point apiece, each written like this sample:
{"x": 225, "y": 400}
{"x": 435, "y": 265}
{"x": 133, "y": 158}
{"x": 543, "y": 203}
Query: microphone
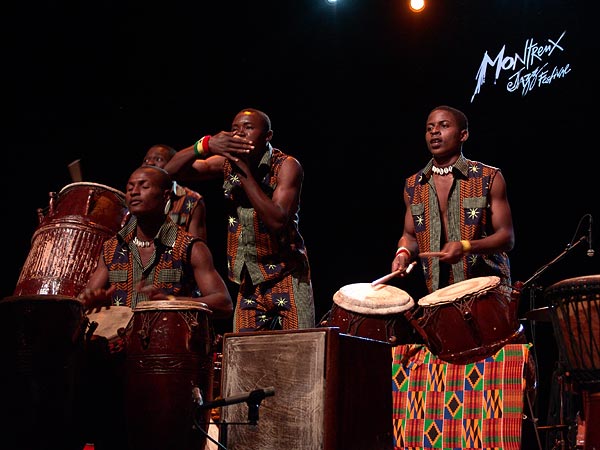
{"x": 254, "y": 397}
{"x": 590, "y": 252}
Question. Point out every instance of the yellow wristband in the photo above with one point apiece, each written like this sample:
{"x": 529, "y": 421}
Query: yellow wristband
{"x": 466, "y": 246}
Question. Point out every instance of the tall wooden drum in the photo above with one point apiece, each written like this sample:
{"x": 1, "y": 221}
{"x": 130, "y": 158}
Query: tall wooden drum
{"x": 68, "y": 240}
{"x": 169, "y": 357}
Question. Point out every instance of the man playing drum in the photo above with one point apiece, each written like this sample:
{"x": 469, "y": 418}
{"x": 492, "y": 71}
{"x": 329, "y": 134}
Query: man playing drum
{"x": 457, "y": 210}
{"x": 150, "y": 258}
{"x": 458, "y": 225}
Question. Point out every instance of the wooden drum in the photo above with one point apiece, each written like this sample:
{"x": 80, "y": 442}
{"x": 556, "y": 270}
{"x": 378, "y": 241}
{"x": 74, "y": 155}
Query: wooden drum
{"x": 575, "y": 314}
{"x": 41, "y": 343}
{"x": 374, "y": 312}
{"x": 68, "y": 240}
{"x": 469, "y": 320}
{"x": 169, "y": 355}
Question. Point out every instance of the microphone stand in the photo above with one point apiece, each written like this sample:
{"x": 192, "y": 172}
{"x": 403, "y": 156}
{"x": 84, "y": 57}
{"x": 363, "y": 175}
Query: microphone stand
{"x": 252, "y": 399}
{"x": 531, "y": 281}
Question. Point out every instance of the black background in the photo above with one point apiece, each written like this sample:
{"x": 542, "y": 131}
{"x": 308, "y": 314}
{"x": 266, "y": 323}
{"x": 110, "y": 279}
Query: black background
{"x": 348, "y": 88}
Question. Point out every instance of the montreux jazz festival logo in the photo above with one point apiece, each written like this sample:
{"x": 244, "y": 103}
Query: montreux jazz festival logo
{"x": 533, "y": 68}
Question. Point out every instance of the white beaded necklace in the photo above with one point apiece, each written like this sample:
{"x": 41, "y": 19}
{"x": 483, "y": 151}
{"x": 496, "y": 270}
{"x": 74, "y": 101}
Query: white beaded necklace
{"x": 441, "y": 171}
{"x": 142, "y": 244}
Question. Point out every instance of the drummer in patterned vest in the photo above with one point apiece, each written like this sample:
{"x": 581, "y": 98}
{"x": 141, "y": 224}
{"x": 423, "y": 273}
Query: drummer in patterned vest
{"x": 457, "y": 210}
{"x": 149, "y": 258}
{"x": 458, "y": 225}
{"x": 266, "y": 254}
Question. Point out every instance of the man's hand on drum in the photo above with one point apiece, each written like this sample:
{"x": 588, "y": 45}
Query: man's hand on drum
{"x": 94, "y": 299}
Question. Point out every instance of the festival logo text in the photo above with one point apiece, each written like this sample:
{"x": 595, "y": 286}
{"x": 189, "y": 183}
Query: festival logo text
{"x": 526, "y": 71}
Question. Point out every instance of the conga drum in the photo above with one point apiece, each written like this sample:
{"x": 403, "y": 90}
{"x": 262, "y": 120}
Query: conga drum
{"x": 41, "y": 346}
{"x": 469, "y": 320}
{"x": 169, "y": 359}
{"x": 575, "y": 315}
{"x": 374, "y": 312}
{"x": 66, "y": 244}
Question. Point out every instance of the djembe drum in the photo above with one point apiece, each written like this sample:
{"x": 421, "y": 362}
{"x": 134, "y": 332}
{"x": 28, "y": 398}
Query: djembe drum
{"x": 469, "y": 320}
{"x": 374, "y": 312}
{"x": 68, "y": 240}
{"x": 169, "y": 357}
{"x": 575, "y": 315}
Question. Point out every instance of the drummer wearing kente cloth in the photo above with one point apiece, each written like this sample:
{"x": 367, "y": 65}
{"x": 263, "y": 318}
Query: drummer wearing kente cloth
{"x": 150, "y": 258}
{"x": 457, "y": 211}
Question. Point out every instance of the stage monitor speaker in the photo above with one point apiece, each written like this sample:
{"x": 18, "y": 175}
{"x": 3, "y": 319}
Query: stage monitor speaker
{"x": 332, "y": 390}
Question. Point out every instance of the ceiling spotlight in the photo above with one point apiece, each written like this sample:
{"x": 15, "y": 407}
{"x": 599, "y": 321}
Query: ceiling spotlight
{"x": 417, "y": 5}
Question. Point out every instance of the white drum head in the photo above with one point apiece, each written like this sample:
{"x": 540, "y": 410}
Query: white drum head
{"x": 110, "y": 319}
{"x": 167, "y": 305}
{"x": 454, "y": 292}
{"x": 381, "y": 299}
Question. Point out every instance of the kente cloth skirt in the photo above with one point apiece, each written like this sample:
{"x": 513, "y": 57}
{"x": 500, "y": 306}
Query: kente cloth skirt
{"x": 448, "y": 406}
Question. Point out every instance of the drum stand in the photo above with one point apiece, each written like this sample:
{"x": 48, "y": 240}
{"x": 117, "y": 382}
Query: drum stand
{"x": 560, "y": 373}
{"x": 252, "y": 399}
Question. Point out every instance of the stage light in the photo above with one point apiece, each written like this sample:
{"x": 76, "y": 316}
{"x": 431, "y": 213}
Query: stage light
{"x": 417, "y": 5}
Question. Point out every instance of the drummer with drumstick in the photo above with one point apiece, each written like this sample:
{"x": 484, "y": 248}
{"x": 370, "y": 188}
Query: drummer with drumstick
{"x": 458, "y": 220}
{"x": 150, "y": 258}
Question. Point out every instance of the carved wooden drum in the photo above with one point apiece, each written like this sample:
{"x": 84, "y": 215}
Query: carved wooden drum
{"x": 374, "y": 312}
{"x": 68, "y": 240}
{"x": 169, "y": 353}
{"x": 575, "y": 314}
{"x": 469, "y": 320}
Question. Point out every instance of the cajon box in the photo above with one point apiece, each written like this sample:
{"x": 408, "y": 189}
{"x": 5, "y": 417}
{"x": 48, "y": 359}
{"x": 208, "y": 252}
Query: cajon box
{"x": 332, "y": 390}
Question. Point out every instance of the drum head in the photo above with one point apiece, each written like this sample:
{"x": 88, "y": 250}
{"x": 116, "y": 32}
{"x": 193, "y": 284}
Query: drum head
{"x": 168, "y": 305}
{"x": 363, "y": 298}
{"x": 92, "y": 185}
{"x": 454, "y": 292}
{"x": 110, "y": 319}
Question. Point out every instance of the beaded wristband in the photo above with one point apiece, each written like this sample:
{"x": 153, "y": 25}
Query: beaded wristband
{"x": 466, "y": 246}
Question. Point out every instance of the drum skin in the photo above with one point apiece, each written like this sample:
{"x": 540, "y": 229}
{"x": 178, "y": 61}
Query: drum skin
{"x": 66, "y": 244}
{"x": 473, "y": 326}
{"x": 169, "y": 352}
{"x": 377, "y": 313}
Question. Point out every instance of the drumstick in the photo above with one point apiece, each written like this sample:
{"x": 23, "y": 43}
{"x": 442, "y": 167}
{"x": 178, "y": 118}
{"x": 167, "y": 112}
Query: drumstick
{"x": 75, "y": 171}
{"x": 389, "y": 276}
{"x": 431, "y": 254}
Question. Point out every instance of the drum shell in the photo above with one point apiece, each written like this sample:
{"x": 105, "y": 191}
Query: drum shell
{"x": 575, "y": 315}
{"x": 42, "y": 346}
{"x": 471, "y": 327}
{"x": 391, "y": 328}
{"x": 66, "y": 244}
{"x": 168, "y": 353}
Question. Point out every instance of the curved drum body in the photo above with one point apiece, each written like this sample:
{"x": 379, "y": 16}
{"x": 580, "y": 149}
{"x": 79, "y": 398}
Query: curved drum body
{"x": 374, "y": 312}
{"x": 68, "y": 241}
{"x": 41, "y": 343}
{"x": 575, "y": 314}
{"x": 469, "y": 320}
{"x": 169, "y": 354}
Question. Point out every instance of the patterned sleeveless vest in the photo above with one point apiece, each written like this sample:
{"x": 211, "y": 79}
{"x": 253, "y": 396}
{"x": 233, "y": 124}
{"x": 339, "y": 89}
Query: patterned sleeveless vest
{"x": 167, "y": 269}
{"x": 249, "y": 242}
{"x": 468, "y": 218}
